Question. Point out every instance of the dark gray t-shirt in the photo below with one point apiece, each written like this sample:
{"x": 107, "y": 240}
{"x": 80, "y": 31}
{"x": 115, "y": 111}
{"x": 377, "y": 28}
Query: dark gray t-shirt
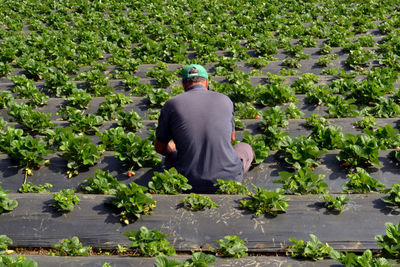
{"x": 200, "y": 122}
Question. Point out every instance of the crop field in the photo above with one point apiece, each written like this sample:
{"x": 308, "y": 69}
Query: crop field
{"x": 316, "y": 93}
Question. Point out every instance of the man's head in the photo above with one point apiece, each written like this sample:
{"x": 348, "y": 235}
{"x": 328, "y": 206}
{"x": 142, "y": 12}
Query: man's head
{"x": 194, "y": 74}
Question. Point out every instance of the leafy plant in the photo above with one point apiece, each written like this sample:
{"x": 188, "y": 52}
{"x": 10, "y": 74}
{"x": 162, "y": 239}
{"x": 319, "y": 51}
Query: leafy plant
{"x": 312, "y": 250}
{"x": 164, "y": 77}
{"x": 198, "y": 259}
{"x": 275, "y": 93}
{"x": 158, "y": 97}
{"x": 358, "y": 150}
{"x": 96, "y": 82}
{"x": 22, "y": 261}
{"x": 300, "y": 152}
{"x": 335, "y": 203}
{"x": 79, "y": 152}
{"x": 361, "y": 182}
{"x": 136, "y": 151}
{"x": 65, "y": 200}
{"x": 384, "y": 108}
{"x": 366, "y": 122}
{"x": 6, "y": 204}
{"x": 315, "y": 120}
{"x": 150, "y": 242}
{"x": 32, "y": 120}
{"x": 393, "y": 198}
{"x": 134, "y": 200}
{"x": 274, "y": 116}
{"x": 85, "y": 123}
{"x": 339, "y": 108}
{"x": 169, "y": 182}
{"x": 25, "y": 88}
{"x": 101, "y": 183}
{"x": 32, "y": 188}
{"x": 304, "y": 181}
{"x": 390, "y": 242}
{"x": 79, "y": 99}
{"x": 327, "y": 137}
{"x": 264, "y": 201}
{"x": 261, "y": 150}
{"x": 4, "y": 242}
{"x": 246, "y": 111}
{"x": 113, "y": 104}
{"x": 386, "y": 136}
{"x": 71, "y": 247}
{"x": 305, "y": 83}
{"x": 366, "y": 259}
{"x": 195, "y": 202}
{"x": 231, "y": 246}
{"x": 130, "y": 121}
{"x": 231, "y": 187}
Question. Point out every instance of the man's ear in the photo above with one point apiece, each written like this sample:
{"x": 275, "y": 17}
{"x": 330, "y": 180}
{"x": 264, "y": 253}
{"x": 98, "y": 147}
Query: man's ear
{"x": 207, "y": 84}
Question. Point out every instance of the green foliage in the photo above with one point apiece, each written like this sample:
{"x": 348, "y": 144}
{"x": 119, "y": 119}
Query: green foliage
{"x": 4, "y": 242}
{"x": 195, "y": 202}
{"x": 231, "y": 187}
{"x": 361, "y": 182}
{"x": 264, "y": 201}
{"x": 275, "y": 93}
{"x": 164, "y": 77}
{"x": 386, "y": 136}
{"x": 101, "y": 183}
{"x": 32, "y": 120}
{"x": 301, "y": 151}
{"x": 79, "y": 152}
{"x": 19, "y": 261}
{"x": 112, "y": 137}
{"x": 246, "y": 111}
{"x": 158, "y": 97}
{"x": 113, "y": 104}
{"x": 273, "y": 136}
{"x": 339, "y": 108}
{"x": 335, "y": 203}
{"x": 6, "y": 98}
{"x": 390, "y": 242}
{"x": 383, "y": 108}
{"x": 25, "y": 88}
{"x": 366, "y": 122}
{"x": 393, "y": 198}
{"x": 257, "y": 142}
{"x": 316, "y": 120}
{"x": 169, "y": 182}
{"x": 150, "y": 242}
{"x": 71, "y": 247}
{"x": 305, "y": 83}
{"x": 84, "y": 123}
{"x": 96, "y": 82}
{"x": 134, "y": 200}
{"x": 130, "y": 121}
{"x": 136, "y": 152}
{"x": 231, "y": 246}
{"x": 327, "y": 137}
{"x": 79, "y": 99}
{"x": 274, "y": 116}
{"x": 359, "y": 150}
{"x": 65, "y": 200}
{"x": 311, "y": 250}
{"x": 366, "y": 259}
{"x": 199, "y": 259}
{"x": 303, "y": 181}
{"x": 32, "y": 188}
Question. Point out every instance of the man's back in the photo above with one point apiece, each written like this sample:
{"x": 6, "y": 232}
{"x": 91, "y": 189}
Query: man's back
{"x": 200, "y": 122}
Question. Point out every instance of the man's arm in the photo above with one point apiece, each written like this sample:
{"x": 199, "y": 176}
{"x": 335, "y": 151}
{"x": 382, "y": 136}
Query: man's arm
{"x": 233, "y": 138}
{"x": 163, "y": 148}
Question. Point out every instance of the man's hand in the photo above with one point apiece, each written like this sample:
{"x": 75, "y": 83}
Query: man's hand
{"x": 233, "y": 138}
{"x": 164, "y": 148}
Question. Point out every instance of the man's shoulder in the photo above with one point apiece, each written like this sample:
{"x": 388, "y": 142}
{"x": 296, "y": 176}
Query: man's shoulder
{"x": 206, "y": 94}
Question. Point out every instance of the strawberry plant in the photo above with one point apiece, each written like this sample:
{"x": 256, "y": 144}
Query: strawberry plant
{"x": 293, "y": 63}
{"x": 384, "y": 108}
{"x": 150, "y": 242}
{"x": 300, "y": 152}
{"x": 65, "y": 200}
{"x": 195, "y": 202}
{"x": 231, "y": 246}
{"x": 305, "y": 83}
{"x": 326, "y": 60}
{"x": 136, "y": 152}
{"x": 328, "y": 137}
{"x": 366, "y": 122}
{"x": 78, "y": 99}
{"x": 164, "y": 77}
{"x": 259, "y": 62}
{"x": 32, "y": 188}
{"x": 359, "y": 58}
{"x": 6, "y": 204}
{"x": 390, "y": 242}
{"x": 198, "y": 259}
{"x": 339, "y": 108}
{"x": 316, "y": 120}
{"x": 386, "y": 136}
{"x": 320, "y": 95}
{"x": 273, "y": 136}
{"x": 134, "y": 200}
{"x": 169, "y": 182}
{"x": 393, "y": 198}
{"x": 6, "y": 99}
{"x": 264, "y": 201}
{"x": 261, "y": 150}
{"x": 4, "y": 242}
{"x": 71, "y": 247}
{"x": 101, "y": 183}
{"x": 358, "y": 150}
{"x": 130, "y": 121}
{"x": 366, "y": 259}
{"x": 28, "y": 151}
{"x": 335, "y": 203}
{"x": 84, "y": 123}
{"x": 274, "y": 116}
{"x": 231, "y": 187}
{"x": 158, "y": 97}
{"x": 96, "y": 82}
{"x": 308, "y": 41}
{"x": 32, "y": 120}
{"x": 79, "y": 152}
{"x": 113, "y": 104}
{"x": 303, "y": 181}
{"x": 311, "y": 250}
{"x": 275, "y": 93}
{"x": 22, "y": 261}
{"x": 5, "y": 69}
{"x": 111, "y": 138}
{"x": 361, "y": 182}
{"x": 25, "y": 88}
{"x": 246, "y": 111}
{"x": 136, "y": 88}
{"x": 58, "y": 84}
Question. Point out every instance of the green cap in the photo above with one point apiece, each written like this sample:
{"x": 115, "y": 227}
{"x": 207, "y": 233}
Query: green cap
{"x": 188, "y": 72}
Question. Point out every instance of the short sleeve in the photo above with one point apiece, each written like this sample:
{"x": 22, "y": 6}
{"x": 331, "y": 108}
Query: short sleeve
{"x": 163, "y": 132}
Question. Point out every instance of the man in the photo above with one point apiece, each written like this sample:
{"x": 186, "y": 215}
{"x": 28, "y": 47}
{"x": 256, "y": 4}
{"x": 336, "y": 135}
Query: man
{"x": 195, "y": 132}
